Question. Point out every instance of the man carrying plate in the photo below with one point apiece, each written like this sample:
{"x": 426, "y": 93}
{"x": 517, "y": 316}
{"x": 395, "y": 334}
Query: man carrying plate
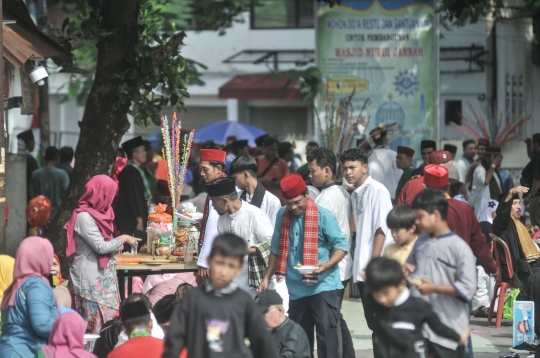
{"x": 306, "y": 247}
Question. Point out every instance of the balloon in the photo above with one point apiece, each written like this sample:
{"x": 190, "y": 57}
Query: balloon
{"x": 38, "y": 211}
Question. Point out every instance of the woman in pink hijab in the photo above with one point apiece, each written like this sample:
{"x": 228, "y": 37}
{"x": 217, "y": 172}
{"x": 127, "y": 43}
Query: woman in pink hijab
{"x": 66, "y": 340}
{"x": 29, "y": 306}
{"x": 90, "y": 240}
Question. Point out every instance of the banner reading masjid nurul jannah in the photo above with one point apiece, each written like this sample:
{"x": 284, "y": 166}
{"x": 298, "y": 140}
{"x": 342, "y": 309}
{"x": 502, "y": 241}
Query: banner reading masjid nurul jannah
{"x": 384, "y": 48}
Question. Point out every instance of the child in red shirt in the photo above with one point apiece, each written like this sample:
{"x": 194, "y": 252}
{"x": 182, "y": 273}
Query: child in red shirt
{"x": 137, "y": 324}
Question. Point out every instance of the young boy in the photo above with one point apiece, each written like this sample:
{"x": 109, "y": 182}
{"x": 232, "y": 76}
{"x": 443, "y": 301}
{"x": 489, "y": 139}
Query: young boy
{"x": 137, "y": 325}
{"x": 214, "y": 319}
{"x": 445, "y": 264}
{"x": 395, "y": 317}
{"x": 402, "y": 221}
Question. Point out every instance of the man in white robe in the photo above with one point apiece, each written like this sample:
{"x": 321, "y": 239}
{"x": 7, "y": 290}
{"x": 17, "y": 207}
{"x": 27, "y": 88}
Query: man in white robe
{"x": 486, "y": 182}
{"x": 371, "y": 204}
{"x": 382, "y": 163}
{"x": 322, "y": 166}
{"x": 239, "y": 218}
{"x": 244, "y": 169}
{"x": 211, "y": 166}
{"x": 464, "y": 163}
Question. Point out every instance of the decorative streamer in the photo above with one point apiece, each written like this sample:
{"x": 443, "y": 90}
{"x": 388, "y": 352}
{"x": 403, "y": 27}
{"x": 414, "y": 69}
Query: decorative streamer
{"x": 176, "y": 156}
{"x": 498, "y": 127}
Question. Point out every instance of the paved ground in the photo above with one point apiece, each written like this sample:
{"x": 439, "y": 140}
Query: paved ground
{"x": 487, "y": 342}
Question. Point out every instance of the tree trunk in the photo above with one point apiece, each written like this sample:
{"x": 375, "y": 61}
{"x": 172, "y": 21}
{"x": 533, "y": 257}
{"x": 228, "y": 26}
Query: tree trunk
{"x": 105, "y": 117}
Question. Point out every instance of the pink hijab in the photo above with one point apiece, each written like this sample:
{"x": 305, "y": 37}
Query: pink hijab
{"x": 34, "y": 257}
{"x": 96, "y": 201}
{"x": 66, "y": 339}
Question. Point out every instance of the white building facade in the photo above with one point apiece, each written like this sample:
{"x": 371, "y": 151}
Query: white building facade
{"x": 469, "y": 73}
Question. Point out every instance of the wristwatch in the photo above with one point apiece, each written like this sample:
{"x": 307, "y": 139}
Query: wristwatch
{"x": 493, "y": 166}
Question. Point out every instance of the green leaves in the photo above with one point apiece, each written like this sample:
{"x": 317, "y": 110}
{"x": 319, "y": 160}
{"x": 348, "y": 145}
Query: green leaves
{"x": 309, "y": 81}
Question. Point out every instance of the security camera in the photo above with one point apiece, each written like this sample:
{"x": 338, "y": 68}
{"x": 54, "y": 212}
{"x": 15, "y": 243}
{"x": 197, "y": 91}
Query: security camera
{"x": 38, "y": 74}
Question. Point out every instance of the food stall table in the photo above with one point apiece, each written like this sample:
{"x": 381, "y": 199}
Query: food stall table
{"x": 129, "y": 270}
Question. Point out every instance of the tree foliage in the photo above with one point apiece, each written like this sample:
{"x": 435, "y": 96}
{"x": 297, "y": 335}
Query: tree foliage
{"x": 462, "y": 12}
{"x": 158, "y": 75}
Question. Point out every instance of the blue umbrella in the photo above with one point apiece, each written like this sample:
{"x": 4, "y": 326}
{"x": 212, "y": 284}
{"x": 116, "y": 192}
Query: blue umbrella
{"x": 219, "y": 131}
{"x": 156, "y": 139}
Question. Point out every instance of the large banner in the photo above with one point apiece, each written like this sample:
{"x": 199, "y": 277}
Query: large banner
{"x": 384, "y": 49}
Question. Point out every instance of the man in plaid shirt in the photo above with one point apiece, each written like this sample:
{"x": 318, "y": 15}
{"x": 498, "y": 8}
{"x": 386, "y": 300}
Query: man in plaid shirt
{"x": 308, "y": 235}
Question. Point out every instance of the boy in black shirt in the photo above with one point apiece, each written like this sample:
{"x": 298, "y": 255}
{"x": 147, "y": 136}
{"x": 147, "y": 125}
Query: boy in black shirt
{"x": 214, "y": 319}
{"x": 396, "y": 318}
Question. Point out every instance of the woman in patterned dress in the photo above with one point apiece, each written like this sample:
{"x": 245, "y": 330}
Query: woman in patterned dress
{"x": 93, "y": 279}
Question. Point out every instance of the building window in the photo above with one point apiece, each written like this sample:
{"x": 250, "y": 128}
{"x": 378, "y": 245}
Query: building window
{"x": 452, "y": 113}
{"x": 282, "y": 14}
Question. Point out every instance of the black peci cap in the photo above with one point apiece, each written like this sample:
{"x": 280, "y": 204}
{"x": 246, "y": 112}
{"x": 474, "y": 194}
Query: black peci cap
{"x": 133, "y": 143}
{"x": 221, "y": 186}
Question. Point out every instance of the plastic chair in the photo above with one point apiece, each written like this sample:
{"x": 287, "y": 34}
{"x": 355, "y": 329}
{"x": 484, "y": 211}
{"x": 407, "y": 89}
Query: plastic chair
{"x": 500, "y": 286}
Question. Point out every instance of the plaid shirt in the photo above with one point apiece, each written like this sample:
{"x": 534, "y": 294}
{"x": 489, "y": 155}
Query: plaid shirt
{"x": 258, "y": 263}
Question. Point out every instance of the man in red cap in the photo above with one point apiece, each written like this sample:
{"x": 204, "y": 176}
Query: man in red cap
{"x": 404, "y": 162}
{"x": 306, "y": 247}
{"x": 212, "y": 166}
{"x": 486, "y": 181}
{"x": 416, "y": 185}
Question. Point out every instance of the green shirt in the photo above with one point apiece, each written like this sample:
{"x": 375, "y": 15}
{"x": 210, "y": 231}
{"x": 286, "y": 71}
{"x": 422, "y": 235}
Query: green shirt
{"x": 52, "y": 183}
{"x": 405, "y": 177}
{"x": 39, "y": 354}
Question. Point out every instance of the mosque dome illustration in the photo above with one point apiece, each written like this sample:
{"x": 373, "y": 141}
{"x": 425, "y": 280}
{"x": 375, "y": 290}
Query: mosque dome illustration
{"x": 391, "y": 112}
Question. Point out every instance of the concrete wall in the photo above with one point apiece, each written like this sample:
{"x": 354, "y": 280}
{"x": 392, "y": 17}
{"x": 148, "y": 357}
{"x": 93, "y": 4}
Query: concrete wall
{"x": 16, "y": 198}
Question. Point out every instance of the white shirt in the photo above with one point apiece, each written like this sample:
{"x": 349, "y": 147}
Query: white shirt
{"x": 210, "y": 234}
{"x": 252, "y": 225}
{"x": 383, "y": 168}
{"x": 371, "y": 205}
{"x": 270, "y": 205}
{"x": 338, "y": 201}
{"x": 480, "y": 194}
{"x": 462, "y": 165}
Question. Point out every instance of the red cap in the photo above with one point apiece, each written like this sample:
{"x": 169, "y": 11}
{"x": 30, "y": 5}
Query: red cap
{"x": 484, "y": 142}
{"x": 405, "y": 150}
{"x": 440, "y": 156}
{"x": 436, "y": 176}
{"x": 292, "y": 185}
{"x": 213, "y": 155}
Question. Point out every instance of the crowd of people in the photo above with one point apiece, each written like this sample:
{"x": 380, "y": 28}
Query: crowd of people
{"x": 279, "y": 243}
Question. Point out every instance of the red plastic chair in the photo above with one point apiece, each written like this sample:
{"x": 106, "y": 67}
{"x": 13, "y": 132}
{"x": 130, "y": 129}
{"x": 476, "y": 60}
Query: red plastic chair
{"x": 500, "y": 286}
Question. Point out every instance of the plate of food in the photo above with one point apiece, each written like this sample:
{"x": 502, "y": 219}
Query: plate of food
{"x": 305, "y": 269}
{"x": 414, "y": 280}
{"x": 192, "y": 217}
{"x": 90, "y": 337}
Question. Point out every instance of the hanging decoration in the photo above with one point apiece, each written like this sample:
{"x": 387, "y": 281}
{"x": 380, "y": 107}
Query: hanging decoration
{"x": 176, "y": 152}
{"x": 338, "y": 124}
{"x": 498, "y": 127}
